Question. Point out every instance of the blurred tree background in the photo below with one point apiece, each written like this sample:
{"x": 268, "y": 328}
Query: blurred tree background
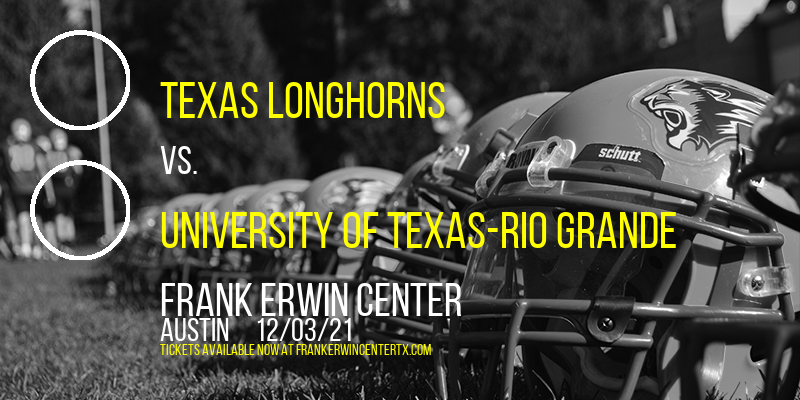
{"x": 491, "y": 51}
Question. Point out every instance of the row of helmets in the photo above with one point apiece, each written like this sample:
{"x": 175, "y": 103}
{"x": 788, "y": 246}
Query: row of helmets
{"x": 580, "y": 322}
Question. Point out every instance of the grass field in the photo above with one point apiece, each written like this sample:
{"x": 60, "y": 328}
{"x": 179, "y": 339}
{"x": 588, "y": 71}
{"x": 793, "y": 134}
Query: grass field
{"x": 61, "y": 337}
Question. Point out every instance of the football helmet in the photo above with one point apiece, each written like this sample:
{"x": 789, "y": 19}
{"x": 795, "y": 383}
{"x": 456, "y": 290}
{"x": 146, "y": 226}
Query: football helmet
{"x": 442, "y": 182}
{"x": 182, "y": 203}
{"x": 145, "y": 220}
{"x": 336, "y": 193}
{"x": 231, "y": 202}
{"x": 282, "y": 196}
{"x": 602, "y": 321}
{"x": 278, "y": 196}
{"x": 776, "y": 143}
{"x": 145, "y": 261}
{"x": 210, "y": 260}
{"x": 132, "y": 249}
{"x": 345, "y": 190}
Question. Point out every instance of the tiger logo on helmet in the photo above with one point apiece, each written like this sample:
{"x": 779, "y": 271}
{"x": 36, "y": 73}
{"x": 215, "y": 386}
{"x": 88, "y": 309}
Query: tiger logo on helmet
{"x": 699, "y": 115}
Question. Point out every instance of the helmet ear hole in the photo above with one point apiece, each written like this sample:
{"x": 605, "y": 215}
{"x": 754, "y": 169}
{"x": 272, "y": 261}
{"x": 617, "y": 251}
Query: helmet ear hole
{"x": 655, "y": 263}
{"x": 758, "y": 352}
{"x": 631, "y": 290}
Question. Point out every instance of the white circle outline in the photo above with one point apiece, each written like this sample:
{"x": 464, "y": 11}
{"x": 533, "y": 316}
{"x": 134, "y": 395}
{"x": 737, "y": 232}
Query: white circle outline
{"x": 105, "y": 120}
{"x": 124, "y": 226}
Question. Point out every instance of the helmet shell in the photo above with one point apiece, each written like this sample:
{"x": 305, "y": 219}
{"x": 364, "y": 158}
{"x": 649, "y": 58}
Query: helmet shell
{"x": 281, "y": 195}
{"x": 479, "y": 135}
{"x": 185, "y": 202}
{"x": 233, "y": 199}
{"x": 208, "y": 204}
{"x": 401, "y": 195}
{"x": 351, "y": 189}
{"x": 278, "y": 196}
{"x": 230, "y": 201}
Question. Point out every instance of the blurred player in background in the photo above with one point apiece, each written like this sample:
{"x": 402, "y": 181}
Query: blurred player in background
{"x": 25, "y": 165}
{"x": 65, "y": 183}
{"x": 5, "y": 206}
{"x": 46, "y": 214}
